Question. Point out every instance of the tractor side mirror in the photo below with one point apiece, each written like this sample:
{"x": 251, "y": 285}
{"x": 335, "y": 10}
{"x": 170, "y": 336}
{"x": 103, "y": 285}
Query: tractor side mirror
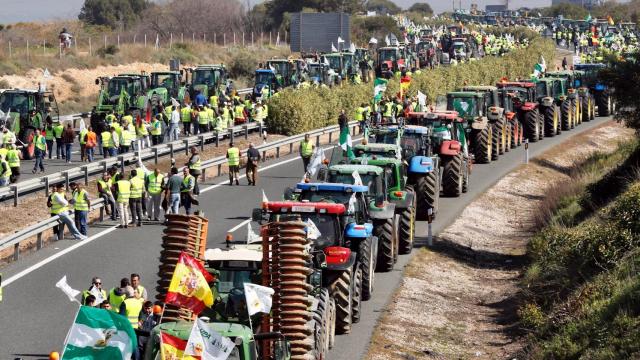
{"x": 256, "y": 215}
{"x": 97, "y": 81}
{"x": 288, "y": 194}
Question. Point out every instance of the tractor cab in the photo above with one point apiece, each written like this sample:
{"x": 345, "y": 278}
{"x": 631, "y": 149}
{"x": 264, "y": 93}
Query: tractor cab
{"x": 265, "y": 79}
{"x": 349, "y": 63}
{"x": 166, "y": 85}
{"x": 390, "y": 59}
{"x": 378, "y": 149}
{"x": 287, "y": 72}
{"x": 443, "y": 127}
{"x": 395, "y": 178}
{"x": 385, "y": 135}
{"x": 209, "y": 80}
{"x": 319, "y": 74}
{"x": 468, "y": 104}
{"x": 525, "y": 90}
{"x": 336, "y": 63}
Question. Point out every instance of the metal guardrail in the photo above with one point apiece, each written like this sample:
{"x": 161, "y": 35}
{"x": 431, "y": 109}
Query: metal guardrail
{"x": 38, "y": 229}
{"x": 98, "y": 167}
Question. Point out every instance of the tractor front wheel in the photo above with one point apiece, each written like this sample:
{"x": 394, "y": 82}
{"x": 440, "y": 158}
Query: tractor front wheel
{"x": 386, "y": 245}
{"x": 532, "y": 125}
{"x": 342, "y": 292}
{"x": 452, "y": 178}
{"x": 357, "y": 296}
{"x": 602, "y": 101}
{"x": 586, "y": 108}
{"x": 407, "y": 231}
{"x": 368, "y": 264}
{"x": 550, "y": 121}
{"x": 566, "y": 115}
{"x": 321, "y": 317}
{"x": 483, "y": 145}
{"x": 496, "y": 130}
{"x": 427, "y": 190}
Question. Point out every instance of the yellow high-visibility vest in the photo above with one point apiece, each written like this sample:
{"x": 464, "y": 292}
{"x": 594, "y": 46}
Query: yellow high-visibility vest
{"x": 107, "y": 141}
{"x": 79, "y": 200}
{"x": 56, "y": 206}
{"x": 124, "y": 190}
{"x": 306, "y": 148}
{"x": 136, "y": 188}
{"x": 115, "y": 300}
{"x": 186, "y": 114}
{"x": 13, "y": 158}
{"x": 233, "y": 156}
{"x": 133, "y": 307}
{"x": 155, "y": 183}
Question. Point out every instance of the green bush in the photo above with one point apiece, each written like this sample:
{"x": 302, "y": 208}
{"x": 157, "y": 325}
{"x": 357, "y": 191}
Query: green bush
{"x": 109, "y": 50}
{"x": 243, "y": 65}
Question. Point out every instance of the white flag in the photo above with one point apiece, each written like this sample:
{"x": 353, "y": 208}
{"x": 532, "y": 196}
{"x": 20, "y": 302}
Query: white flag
{"x": 340, "y": 40}
{"x": 98, "y": 294}
{"x": 352, "y": 204}
{"x": 46, "y": 74}
{"x": 157, "y": 41}
{"x": 258, "y": 298}
{"x": 387, "y": 41}
{"x": 357, "y": 180}
{"x": 422, "y": 99}
{"x": 264, "y": 197}
{"x": 352, "y": 48}
{"x": 313, "y": 232}
{"x": 333, "y": 48}
{"x": 252, "y": 237}
{"x": 174, "y": 102}
{"x": 207, "y": 343}
{"x": 416, "y": 40}
{"x": 316, "y": 162}
{"x": 71, "y": 293}
{"x": 373, "y": 41}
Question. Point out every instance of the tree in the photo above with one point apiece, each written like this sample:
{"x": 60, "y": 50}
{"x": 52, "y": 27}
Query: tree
{"x": 567, "y": 10}
{"x": 382, "y": 6}
{"x": 112, "y": 13}
{"x": 421, "y": 7}
{"x": 624, "y": 77}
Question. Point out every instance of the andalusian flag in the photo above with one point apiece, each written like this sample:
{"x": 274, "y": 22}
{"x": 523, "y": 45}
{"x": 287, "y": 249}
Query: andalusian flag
{"x": 98, "y": 334}
{"x": 172, "y": 348}
{"x": 345, "y": 142}
{"x": 189, "y": 286}
{"x": 379, "y": 87}
{"x": 588, "y": 18}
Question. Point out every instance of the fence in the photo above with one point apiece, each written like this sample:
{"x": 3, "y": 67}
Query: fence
{"x": 38, "y": 229}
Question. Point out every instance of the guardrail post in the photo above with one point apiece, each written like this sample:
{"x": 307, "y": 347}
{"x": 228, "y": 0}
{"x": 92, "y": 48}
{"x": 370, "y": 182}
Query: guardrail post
{"x": 246, "y": 132}
{"x": 264, "y": 155}
{"x": 291, "y": 148}
{"x": 104, "y": 166}
{"x": 330, "y": 135}
{"x": 353, "y": 131}
{"x": 231, "y": 134}
{"x": 318, "y": 141}
{"x": 85, "y": 169}
{"x": 278, "y": 152}
{"x": 102, "y": 214}
{"x": 39, "y": 242}
{"x": 171, "y": 150}
{"x": 121, "y": 160}
{"x": 66, "y": 180}
{"x": 16, "y": 251}
{"x": 60, "y": 233}
{"x": 46, "y": 186}
{"x": 219, "y": 169}
{"x": 155, "y": 154}
{"x": 217, "y": 139}
{"x": 260, "y": 128}
{"x": 186, "y": 146}
{"x": 203, "y": 175}
{"x": 201, "y": 137}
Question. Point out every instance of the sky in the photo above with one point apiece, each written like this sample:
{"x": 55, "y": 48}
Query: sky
{"x": 12, "y": 11}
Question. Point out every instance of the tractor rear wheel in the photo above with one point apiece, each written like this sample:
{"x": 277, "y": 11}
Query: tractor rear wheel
{"x": 322, "y": 317}
{"x": 532, "y": 125}
{"x": 593, "y": 107}
{"x": 602, "y": 101}
{"x": 407, "y": 230}
{"x": 427, "y": 190}
{"x": 368, "y": 264}
{"x": 577, "y": 111}
{"x": 466, "y": 174}
{"x": 386, "y": 245}
{"x": 357, "y": 296}
{"x": 586, "y": 109}
{"x": 483, "y": 145}
{"x": 510, "y": 137}
{"x": 496, "y": 131}
{"x": 566, "y": 115}
{"x": 452, "y": 178}
{"x": 549, "y": 120}
{"x": 342, "y": 292}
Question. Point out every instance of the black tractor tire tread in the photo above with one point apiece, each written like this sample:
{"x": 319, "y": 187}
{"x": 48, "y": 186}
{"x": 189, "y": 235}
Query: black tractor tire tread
{"x": 368, "y": 273}
{"x": 496, "y": 143}
{"x": 386, "y": 246}
{"x": 341, "y": 291}
{"x": 427, "y": 192}
{"x": 549, "y": 113}
{"x": 452, "y": 176}
{"x": 357, "y": 296}
{"x": 406, "y": 231}
{"x": 565, "y": 115}
{"x": 482, "y": 145}
{"x": 532, "y": 126}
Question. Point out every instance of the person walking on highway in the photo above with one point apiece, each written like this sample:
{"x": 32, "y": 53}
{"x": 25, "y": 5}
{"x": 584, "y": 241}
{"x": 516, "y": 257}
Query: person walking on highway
{"x": 49, "y": 137}
{"x": 156, "y": 130}
{"x": 40, "y": 149}
{"x": 135, "y": 284}
{"x": 58, "y": 129}
{"x": 60, "y": 207}
{"x": 114, "y": 146}
{"x": 107, "y": 142}
{"x": 306, "y": 151}
{"x": 194, "y": 165}
{"x": 172, "y": 191}
{"x": 118, "y": 294}
{"x": 91, "y": 141}
{"x": 131, "y": 306}
{"x": 203, "y": 120}
{"x": 154, "y": 184}
{"x": 174, "y": 123}
{"x": 185, "y": 117}
{"x": 123, "y": 192}
{"x": 68, "y": 137}
{"x": 95, "y": 290}
{"x": 343, "y": 121}
{"x": 143, "y": 134}
{"x": 233, "y": 160}
{"x": 253, "y": 159}
{"x": 104, "y": 189}
{"x": 81, "y": 204}
{"x": 5, "y": 171}
{"x": 186, "y": 190}
{"x": 13, "y": 159}
{"x": 135, "y": 198}
{"x": 82, "y": 139}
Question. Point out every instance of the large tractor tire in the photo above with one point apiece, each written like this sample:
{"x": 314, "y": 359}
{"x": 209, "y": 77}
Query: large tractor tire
{"x": 357, "y": 296}
{"x": 566, "y": 114}
{"x": 368, "y": 264}
{"x": 550, "y": 121}
{"x": 342, "y": 291}
{"x": 406, "y": 231}
{"x": 532, "y": 126}
{"x": 577, "y": 111}
{"x": 543, "y": 128}
{"x": 427, "y": 190}
{"x": 602, "y": 101}
{"x": 321, "y": 318}
{"x": 593, "y": 107}
{"x": 496, "y": 146}
{"x": 483, "y": 146}
{"x": 28, "y": 152}
{"x": 466, "y": 174}
{"x": 586, "y": 108}
{"x": 386, "y": 245}
{"x": 509, "y": 137}
{"x": 453, "y": 177}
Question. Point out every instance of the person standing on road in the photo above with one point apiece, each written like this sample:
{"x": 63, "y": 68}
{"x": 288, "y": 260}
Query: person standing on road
{"x": 81, "y": 204}
{"x": 13, "y": 159}
{"x": 186, "y": 190}
{"x": 233, "y": 160}
{"x": 203, "y": 120}
{"x": 172, "y": 191}
{"x": 156, "y": 130}
{"x": 306, "y": 151}
{"x": 135, "y": 284}
{"x": 143, "y": 134}
{"x": 116, "y": 132}
{"x": 343, "y": 121}
{"x": 104, "y": 189}
{"x": 95, "y": 290}
{"x": 82, "y": 139}
{"x": 185, "y": 117}
{"x": 68, "y": 137}
{"x": 5, "y": 171}
{"x": 131, "y": 306}
{"x": 91, "y": 141}
{"x": 174, "y": 123}
{"x": 40, "y": 148}
{"x": 253, "y": 159}
{"x": 123, "y": 191}
{"x": 49, "y": 137}
{"x": 135, "y": 198}
{"x": 118, "y": 294}
{"x": 107, "y": 142}
{"x": 58, "y": 129}
{"x": 60, "y": 206}
{"x": 194, "y": 165}
{"x": 154, "y": 184}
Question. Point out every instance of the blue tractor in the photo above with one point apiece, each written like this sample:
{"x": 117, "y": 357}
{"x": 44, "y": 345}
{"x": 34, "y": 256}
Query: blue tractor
{"x": 266, "y": 82}
{"x": 356, "y": 222}
{"x": 600, "y": 91}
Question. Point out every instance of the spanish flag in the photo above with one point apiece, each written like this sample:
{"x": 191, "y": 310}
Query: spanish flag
{"x": 405, "y": 82}
{"x": 189, "y": 286}
{"x": 610, "y": 20}
{"x": 172, "y": 348}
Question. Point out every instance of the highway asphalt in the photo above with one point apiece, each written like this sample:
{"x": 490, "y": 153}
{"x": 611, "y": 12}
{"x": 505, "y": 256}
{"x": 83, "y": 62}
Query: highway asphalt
{"x": 35, "y": 315}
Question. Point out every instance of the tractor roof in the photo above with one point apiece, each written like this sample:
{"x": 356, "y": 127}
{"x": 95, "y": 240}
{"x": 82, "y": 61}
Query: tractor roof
{"x": 305, "y": 207}
{"x": 590, "y": 66}
{"x": 384, "y": 129}
{"x": 25, "y": 91}
{"x": 415, "y": 129}
{"x": 376, "y": 147}
{"x": 350, "y": 168}
{"x": 479, "y": 88}
{"x": 380, "y": 161}
{"x": 465, "y": 94}
{"x": 264, "y": 71}
{"x": 210, "y": 66}
{"x": 332, "y": 187}
{"x": 236, "y": 252}
{"x": 451, "y": 115}
{"x": 525, "y": 84}
{"x": 166, "y": 72}
{"x": 182, "y": 329}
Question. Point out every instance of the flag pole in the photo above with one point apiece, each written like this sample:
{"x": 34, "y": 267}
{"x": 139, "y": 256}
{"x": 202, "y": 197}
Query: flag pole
{"x": 69, "y": 332}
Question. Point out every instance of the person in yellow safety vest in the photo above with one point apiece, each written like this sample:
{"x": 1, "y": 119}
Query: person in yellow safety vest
{"x": 83, "y": 142}
{"x": 259, "y": 114}
{"x": 186, "y": 189}
{"x": 104, "y": 185}
{"x": 399, "y": 110}
{"x": 135, "y": 284}
{"x": 359, "y": 115}
{"x": 156, "y": 130}
{"x": 357, "y": 79}
{"x": 96, "y": 290}
{"x": 125, "y": 140}
{"x": 203, "y": 120}
{"x": 131, "y": 306}
{"x": 110, "y": 118}
{"x": 60, "y": 207}
{"x": 211, "y": 116}
{"x": 117, "y": 295}
{"x": 227, "y": 120}
{"x": 8, "y": 137}
{"x": 123, "y": 192}
{"x": 40, "y": 149}
{"x": 5, "y": 171}
{"x": 238, "y": 113}
{"x": 388, "y": 111}
{"x": 185, "y": 116}
{"x": 13, "y": 159}
{"x": 127, "y": 120}
{"x": 233, "y": 159}
{"x": 265, "y": 92}
{"x": 167, "y": 113}
{"x": 116, "y": 135}
{"x": 81, "y": 204}
{"x": 154, "y": 184}
{"x": 194, "y": 164}
{"x": 58, "y": 129}
{"x": 213, "y": 101}
{"x": 132, "y": 133}
{"x": 106, "y": 141}
{"x": 306, "y": 151}
{"x": 49, "y": 137}
{"x": 143, "y": 134}
{"x": 136, "y": 196}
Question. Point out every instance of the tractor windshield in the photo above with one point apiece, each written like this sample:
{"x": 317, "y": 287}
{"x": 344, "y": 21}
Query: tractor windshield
{"x": 411, "y": 144}
{"x": 281, "y": 67}
{"x": 541, "y": 88}
{"x": 16, "y": 102}
{"x": 375, "y": 152}
{"x": 117, "y": 85}
{"x": 229, "y": 279}
{"x": 465, "y": 106}
{"x": 348, "y": 60}
{"x": 264, "y": 78}
{"x": 386, "y": 137}
{"x": 167, "y": 81}
{"x": 315, "y": 71}
{"x": 327, "y": 224}
{"x": 334, "y": 62}
{"x": 367, "y": 179}
{"x": 205, "y": 77}
{"x": 388, "y": 55}
{"x": 335, "y": 197}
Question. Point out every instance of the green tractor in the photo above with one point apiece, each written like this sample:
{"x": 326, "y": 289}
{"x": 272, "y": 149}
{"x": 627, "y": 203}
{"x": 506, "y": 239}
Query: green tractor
{"x": 574, "y": 98}
{"x": 552, "y": 98}
{"x": 208, "y": 79}
{"x": 378, "y": 149}
{"x": 121, "y": 94}
{"x": 496, "y": 116}
{"x": 473, "y": 107}
{"x": 28, "y": 110}
{"x": 166, "y": 85}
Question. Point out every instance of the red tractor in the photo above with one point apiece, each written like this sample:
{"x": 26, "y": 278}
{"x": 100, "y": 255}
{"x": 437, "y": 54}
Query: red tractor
{"x": 525, "y": 107}
{"x": 508, "y": 100}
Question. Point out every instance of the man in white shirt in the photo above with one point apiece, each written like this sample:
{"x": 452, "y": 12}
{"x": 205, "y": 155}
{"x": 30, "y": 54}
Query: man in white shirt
{"x": 174, "y": 122}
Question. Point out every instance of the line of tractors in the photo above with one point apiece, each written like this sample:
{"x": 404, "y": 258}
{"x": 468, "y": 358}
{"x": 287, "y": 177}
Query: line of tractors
{"x": 321, "y": 247}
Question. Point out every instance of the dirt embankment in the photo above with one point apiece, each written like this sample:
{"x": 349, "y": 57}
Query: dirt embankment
{"x": 458, "y": 300}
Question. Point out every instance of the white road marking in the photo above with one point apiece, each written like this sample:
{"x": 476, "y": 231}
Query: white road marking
{"x": 239, "y": 226}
